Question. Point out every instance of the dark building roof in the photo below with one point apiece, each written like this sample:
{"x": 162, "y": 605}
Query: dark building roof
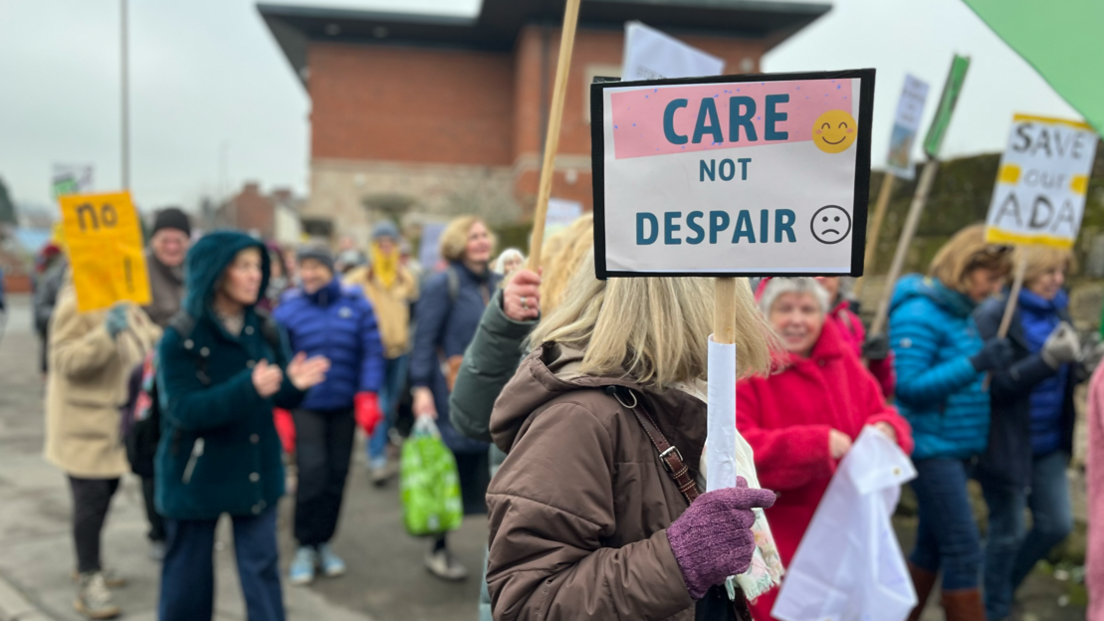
{"x": 498, "y": 23}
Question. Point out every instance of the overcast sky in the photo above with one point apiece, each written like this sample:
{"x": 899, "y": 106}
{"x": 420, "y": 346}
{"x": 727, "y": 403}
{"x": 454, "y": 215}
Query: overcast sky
{"x": 207, "y": 79}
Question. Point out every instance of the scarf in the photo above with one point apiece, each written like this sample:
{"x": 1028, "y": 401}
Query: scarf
{"x": 385, "y": 266}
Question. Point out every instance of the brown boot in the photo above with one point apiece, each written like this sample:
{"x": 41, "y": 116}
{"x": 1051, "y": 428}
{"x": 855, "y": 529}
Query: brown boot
{"x": 963, "y": 605}
{"x": 923, "y": 581}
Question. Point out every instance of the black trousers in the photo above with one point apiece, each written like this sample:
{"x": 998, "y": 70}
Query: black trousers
{"x": 323, "y": 448}
{"x": 91, "y": 501}
{"x": 157, "y": 523}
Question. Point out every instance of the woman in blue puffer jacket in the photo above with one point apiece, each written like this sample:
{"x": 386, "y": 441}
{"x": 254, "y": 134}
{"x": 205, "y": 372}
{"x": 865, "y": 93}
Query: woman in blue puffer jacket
{"x": 942, "y": 363}
{"x": 447, "y": 316}
{"x": 322, "y": 317}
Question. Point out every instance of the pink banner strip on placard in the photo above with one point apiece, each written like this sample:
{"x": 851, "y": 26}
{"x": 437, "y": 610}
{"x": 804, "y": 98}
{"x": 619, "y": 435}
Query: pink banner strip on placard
{"x": 638, "y": 115}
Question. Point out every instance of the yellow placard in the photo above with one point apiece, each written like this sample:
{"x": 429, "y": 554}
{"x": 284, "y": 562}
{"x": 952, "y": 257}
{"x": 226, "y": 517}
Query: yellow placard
{"x": 104, "y": 238}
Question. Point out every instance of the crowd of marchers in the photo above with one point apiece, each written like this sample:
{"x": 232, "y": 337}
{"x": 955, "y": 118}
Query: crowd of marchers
{"x": 574, "y": 410}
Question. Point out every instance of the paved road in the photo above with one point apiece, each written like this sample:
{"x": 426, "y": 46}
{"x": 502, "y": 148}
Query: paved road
{"x": 386, "y": 579}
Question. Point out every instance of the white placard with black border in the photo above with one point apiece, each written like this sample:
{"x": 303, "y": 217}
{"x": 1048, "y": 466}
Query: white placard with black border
{"x": 749, "y": 175}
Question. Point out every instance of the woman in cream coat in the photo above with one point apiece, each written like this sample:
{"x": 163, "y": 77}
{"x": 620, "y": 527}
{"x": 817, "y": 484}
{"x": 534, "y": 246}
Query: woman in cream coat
{"x": 91, "y": 355}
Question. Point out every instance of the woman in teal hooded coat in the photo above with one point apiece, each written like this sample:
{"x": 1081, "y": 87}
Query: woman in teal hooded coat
{"x": 224, "y": 365}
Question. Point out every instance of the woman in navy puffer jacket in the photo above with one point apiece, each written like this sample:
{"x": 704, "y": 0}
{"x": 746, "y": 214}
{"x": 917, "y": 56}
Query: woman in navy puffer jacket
{"x": 941, "y": 367}
{"x": 446, "y": 319}
{"x": 1031, "y": 438}
{"x": 324, "y": 318}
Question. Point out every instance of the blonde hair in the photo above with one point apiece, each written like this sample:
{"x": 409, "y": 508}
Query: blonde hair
{"x": 653, "y": 330}
{"x": 965, "y": 252}
{"x": 454, "y": 239}
{"x": 573, "y": 246}
{"x": 1043, "y": 259}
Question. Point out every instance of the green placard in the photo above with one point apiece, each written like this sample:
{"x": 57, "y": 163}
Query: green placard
{"x": 951, "y": 89}
{"x": 1061, "y": 40}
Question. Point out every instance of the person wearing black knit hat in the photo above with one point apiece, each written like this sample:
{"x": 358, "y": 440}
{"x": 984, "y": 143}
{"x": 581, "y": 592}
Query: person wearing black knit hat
{"x": 168, "y": 245}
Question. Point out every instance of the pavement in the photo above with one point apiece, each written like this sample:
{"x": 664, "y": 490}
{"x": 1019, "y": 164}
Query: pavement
{"x": 386, "y": 580}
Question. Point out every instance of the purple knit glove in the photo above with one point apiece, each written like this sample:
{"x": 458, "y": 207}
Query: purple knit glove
{"x": 712, "y": 540}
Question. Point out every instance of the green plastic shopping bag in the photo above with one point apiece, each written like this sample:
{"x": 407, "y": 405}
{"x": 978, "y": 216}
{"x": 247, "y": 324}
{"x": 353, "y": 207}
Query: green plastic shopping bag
{"x": 430, "y": 483}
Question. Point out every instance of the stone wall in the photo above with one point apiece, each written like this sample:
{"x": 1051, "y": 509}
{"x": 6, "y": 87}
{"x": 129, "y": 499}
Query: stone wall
{"x": 339, "y": 189}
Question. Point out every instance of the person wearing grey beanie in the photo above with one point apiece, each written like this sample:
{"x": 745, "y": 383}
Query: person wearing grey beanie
{"x": 316, "y": 253}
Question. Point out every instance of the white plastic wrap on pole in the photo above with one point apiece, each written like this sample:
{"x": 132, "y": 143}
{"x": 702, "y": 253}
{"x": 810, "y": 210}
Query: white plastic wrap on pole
{"x": 720, "y": 456}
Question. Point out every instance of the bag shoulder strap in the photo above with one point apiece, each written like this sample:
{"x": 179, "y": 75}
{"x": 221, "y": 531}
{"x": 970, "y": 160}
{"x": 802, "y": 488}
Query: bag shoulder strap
{"x": 668, "y": 453}
{"x": 453, "y": 279}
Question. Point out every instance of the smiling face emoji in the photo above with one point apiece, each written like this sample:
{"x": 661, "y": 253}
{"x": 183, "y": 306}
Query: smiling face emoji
{"x": 834, "y": 131}
{"x": 830, "y": 224}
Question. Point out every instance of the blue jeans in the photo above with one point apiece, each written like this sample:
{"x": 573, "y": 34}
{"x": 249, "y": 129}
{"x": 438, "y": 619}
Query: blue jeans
{"x": 1009, "y": 554}
{"x": 390, "y": 394}
{"x": 188, "y": 572}
{"x": 947, "y": 538}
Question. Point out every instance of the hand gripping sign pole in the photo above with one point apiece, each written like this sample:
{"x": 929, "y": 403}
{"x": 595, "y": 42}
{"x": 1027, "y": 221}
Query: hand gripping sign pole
{"x": 552, "y": 141}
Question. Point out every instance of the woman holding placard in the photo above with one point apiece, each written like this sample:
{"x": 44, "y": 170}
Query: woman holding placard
{"x": 588, "y": 521}
{"x": 942, "y": 363}
{"x": 1031, "y": 437}
{"x": 91, "y": 356}
{"x": 802, "y": 418}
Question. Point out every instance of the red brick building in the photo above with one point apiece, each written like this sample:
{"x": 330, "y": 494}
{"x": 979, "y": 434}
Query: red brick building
{"x": 449, "y": 113}
{"x": 272, "y": 216}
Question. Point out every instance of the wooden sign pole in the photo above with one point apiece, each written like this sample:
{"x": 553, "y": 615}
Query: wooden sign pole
{"x": 552, "y": 141}
{"x": 876, "y": 229}
{"x": 724, "y": 311}
{"x": 1013, "y": 296}
{"x": 912, "y": 222}
{"x": 1010, "y": 307}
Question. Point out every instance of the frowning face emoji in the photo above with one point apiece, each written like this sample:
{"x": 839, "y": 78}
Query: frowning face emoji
{"x": 831, "y": 224}
{"x": 834, "y": 131}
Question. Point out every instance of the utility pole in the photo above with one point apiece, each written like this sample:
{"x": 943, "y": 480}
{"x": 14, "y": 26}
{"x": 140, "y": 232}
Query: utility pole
{"x": 125, "y": 97}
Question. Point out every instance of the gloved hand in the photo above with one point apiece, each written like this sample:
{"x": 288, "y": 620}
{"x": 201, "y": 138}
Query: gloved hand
{"x": 368, "y": 413}
{"x": 876, "y": 347}
{"x": 995, "y": 354}
{"x": 1092, "y": 352}
{"x": 1062, "y": 346}
{"x": 116, "y": 320}
{"x": 712, "y": 540}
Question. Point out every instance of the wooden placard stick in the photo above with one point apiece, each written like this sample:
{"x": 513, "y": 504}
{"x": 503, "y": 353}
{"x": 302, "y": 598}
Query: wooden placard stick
{"x": 876, "y": 229}
{"x": 1010, "y": 307}
{"x": 552, "y": 141}
{"x": 912, "y": 222}
{"x": 724, "y": 311}
{"x": 1013, "y": 296}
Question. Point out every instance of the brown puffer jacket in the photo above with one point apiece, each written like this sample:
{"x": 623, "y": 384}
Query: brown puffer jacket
{"x": 579, "y": 509}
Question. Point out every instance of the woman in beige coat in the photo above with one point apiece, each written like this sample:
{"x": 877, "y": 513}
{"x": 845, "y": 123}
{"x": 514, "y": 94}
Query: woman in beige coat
{"x": 91, "y": 355}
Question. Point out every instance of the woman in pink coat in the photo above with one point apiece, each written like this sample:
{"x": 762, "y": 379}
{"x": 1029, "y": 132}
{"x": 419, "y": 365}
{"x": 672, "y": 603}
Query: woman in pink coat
{"x": 1094, "y": 576}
